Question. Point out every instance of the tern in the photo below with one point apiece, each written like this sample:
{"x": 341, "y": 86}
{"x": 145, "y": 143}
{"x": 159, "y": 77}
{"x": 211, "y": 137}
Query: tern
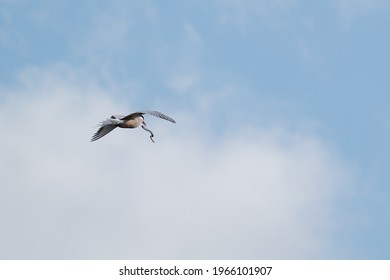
{"x": 130, "y": 121}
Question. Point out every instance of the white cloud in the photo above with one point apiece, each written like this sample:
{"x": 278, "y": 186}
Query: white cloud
{"x": 252, "y": 194}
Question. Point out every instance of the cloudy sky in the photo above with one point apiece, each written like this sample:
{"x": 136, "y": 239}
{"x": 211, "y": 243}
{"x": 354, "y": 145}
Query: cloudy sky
{"x": 280, "y": 150}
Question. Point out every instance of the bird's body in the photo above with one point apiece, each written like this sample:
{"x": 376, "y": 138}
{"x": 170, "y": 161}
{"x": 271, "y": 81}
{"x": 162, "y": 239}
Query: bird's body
{"x": 133, "y": 120}
{"x": 132, "y": 123}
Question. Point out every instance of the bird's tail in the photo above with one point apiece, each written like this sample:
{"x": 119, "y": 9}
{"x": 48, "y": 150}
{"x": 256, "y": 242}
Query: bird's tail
{"x": 110, "y": 121}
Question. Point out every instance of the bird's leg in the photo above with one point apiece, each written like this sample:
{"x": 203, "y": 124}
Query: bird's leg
{"x": 151, "y": 133}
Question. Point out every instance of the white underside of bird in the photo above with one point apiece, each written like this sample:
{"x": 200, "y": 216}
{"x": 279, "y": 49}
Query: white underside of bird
{"x": 133, "y": 120}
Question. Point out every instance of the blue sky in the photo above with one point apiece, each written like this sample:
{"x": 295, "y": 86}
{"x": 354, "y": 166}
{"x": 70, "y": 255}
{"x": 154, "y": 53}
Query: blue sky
{"x": 282, "y": 126}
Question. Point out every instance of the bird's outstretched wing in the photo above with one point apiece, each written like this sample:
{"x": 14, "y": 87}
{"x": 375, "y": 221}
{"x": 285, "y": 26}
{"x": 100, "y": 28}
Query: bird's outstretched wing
{"x": 103, "y": 130}
{"x": 159, "y": 115}
{"x": 153, "y": 113}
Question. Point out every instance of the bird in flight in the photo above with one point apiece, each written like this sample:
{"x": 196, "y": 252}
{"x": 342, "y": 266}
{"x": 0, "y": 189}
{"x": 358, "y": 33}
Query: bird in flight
{"x": 130, "y": 121}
